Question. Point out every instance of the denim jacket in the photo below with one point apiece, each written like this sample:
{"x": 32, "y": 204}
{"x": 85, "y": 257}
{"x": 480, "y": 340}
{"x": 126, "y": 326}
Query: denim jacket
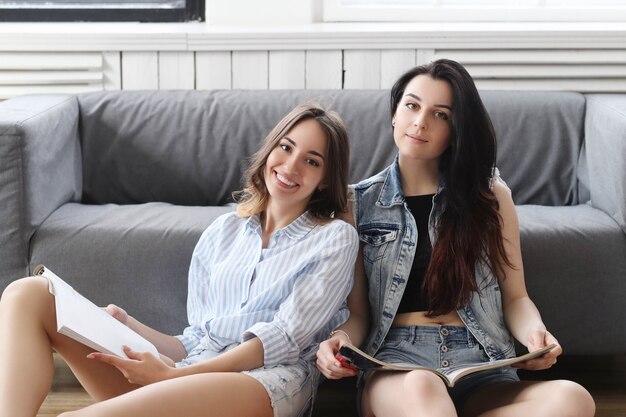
{"x": 388, "y": 234}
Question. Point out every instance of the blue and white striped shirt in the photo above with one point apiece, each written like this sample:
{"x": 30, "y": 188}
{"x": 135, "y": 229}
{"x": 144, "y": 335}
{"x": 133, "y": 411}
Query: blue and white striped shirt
{"x": 290, "y": 295}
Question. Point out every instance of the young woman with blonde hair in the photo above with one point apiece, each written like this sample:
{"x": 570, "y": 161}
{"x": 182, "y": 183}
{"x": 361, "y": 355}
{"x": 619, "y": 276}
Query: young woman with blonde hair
{"x": 266, "y": 285}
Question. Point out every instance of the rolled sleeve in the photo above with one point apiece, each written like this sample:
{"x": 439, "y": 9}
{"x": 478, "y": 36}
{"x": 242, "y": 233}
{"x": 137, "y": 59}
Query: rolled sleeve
{"x": 278, "y": 346}
{"x": 191, "y": 337}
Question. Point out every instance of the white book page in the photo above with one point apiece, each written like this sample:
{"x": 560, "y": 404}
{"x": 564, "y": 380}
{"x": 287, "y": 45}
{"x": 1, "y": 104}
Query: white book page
{"x": 82, "y": 320}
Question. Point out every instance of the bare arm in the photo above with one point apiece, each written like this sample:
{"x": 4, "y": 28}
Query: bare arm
{"x": 520, "y": 313}
{"x": 165, "y": 344}
{"x": 143, "y": 368}
{"x": 246, "y": 356}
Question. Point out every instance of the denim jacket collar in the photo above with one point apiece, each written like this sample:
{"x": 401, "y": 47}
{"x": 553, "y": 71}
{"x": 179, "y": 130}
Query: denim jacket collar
{"x": 391, "y": 192}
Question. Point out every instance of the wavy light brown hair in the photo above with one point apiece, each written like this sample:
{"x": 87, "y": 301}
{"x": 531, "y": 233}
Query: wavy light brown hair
{"x": 469, "y": 227}
{"x": 323, "y": 203}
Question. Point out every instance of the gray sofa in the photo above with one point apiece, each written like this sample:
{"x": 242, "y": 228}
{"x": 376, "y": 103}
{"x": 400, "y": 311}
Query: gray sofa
{"x": 111, "y": 190}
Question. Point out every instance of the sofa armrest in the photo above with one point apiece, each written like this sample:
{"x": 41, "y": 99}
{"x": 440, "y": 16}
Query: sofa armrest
{"x": 605, "y": 141}
{"x": 40, "y": 170}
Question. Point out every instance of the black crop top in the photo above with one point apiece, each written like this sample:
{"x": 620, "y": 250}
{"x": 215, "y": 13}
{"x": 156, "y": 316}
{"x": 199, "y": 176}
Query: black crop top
{"x": 413, "y": 298}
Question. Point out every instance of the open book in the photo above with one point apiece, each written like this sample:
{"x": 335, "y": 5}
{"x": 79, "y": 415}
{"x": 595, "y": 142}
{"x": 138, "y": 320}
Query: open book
{"x": 85, "y": 322}
{"x": 352, "y": 357}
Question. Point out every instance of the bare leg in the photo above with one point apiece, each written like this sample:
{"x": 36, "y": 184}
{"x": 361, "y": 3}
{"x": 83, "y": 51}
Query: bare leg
{"x": 414, "y": 394}
{"x": 27, "y": 336}
{"x": 202, "y": 395}
{"x": 531, "y": 398}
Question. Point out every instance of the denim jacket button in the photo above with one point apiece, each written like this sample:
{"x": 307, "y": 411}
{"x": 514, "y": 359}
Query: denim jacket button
{"x": 445, "y": 364}
{"x": 444, "y": 348}
{"x": 444, "y": 332}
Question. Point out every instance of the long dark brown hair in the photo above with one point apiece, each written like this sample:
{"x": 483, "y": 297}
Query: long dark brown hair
{"x": 324, "y": 203}
{"x": 469, "y": 228}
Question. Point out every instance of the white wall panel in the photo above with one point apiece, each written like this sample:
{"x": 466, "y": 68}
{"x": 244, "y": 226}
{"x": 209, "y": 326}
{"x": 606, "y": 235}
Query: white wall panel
{"x": 424, "y": 56}
{"x": 33, "y": 61}
{"x": 250, "y": 69}
{"x": 579, "y": 85}
{"x": 41, "y": 72}
{"x": 112, "y": 70}
{"x": 213, "y": 70}
{"x": 140, "y": 70}
{"x": 286, "y": 69}
{"x": 176, "y": 71}
{"x": 546, "y": 71}
{"x": 580, "y": 70}
{"x": 8, "y": 91}
{"x": 362, "y": 69}
{"x": 393, "y": 64}
{"x": 324, "y": 70}
{"x": 49, "y": 77}
{"x": 536, "y": 56}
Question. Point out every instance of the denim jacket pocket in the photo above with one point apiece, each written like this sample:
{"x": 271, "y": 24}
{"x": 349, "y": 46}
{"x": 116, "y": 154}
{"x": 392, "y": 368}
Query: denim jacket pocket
{"x": 376, "y": 237}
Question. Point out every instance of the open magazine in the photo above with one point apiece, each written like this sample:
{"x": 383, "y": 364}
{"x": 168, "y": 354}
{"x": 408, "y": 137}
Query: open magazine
{"x": 352, "y": 357}
{"x": 85, "y": 322}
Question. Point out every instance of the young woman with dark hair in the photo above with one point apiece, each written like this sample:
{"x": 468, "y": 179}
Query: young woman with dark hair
{"x": 441, "y": 265}
{"x": 266, "y": 285}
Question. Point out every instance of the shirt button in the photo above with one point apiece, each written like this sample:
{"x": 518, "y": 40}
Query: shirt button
{"x": 445, "y": 364}
{"x": 444, "y": 348}
{"x": 445, "y": 332}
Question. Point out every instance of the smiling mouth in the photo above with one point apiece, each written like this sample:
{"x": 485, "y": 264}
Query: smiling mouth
{"x": 284, "y": 181}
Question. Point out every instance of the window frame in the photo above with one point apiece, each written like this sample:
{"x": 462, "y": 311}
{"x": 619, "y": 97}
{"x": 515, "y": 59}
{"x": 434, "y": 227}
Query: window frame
{"x": 193, "y": 11}
{"x": 334, "y": 12}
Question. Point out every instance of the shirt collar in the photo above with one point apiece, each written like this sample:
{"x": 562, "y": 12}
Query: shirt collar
{"x": 296, "y": 230}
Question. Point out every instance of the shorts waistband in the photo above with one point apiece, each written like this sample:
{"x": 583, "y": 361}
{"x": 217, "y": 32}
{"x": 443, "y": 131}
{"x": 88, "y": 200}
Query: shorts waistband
{"x": 451, "y": 333}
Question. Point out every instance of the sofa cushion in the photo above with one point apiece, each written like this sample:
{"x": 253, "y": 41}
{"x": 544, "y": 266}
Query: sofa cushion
{"x": 190, "y": 147}
{"x": 576, "y": 254}
{"x": 95, "y": 248}
{"x": 540, "y": 135}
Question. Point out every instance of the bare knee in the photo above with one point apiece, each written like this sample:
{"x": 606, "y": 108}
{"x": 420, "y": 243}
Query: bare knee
{"x": 424, "y": 384}
{"x": 29, "y": 297}
{"x": 25, "y": 290}
{"x": 572, "y": 400}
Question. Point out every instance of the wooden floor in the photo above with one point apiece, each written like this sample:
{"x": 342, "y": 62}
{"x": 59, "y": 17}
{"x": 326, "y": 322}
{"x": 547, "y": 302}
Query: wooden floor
{"x": 604, "y": 377}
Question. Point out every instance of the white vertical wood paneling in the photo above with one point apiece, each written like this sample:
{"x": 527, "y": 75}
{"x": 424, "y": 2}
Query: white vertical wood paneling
{"x": 424, "y": 56}
{"x": 324, "y": 70}
{"x": 583, "y": 70}
{"x": 393, "y": 64}
{"x": 112, "y": 70}
{"x": 176, "y": 71}
{"x": 250, "y": 69}
{"x": 140, "y": 70}
{"x": 362, "y": 69}
{"x": 213, "y": 70}
{"x": 286, "y": 69}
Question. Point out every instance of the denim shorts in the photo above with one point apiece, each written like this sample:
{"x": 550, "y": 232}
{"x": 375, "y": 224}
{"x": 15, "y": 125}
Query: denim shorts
{"x": 440, "y": 347}
{"x": 291, "y": 388}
